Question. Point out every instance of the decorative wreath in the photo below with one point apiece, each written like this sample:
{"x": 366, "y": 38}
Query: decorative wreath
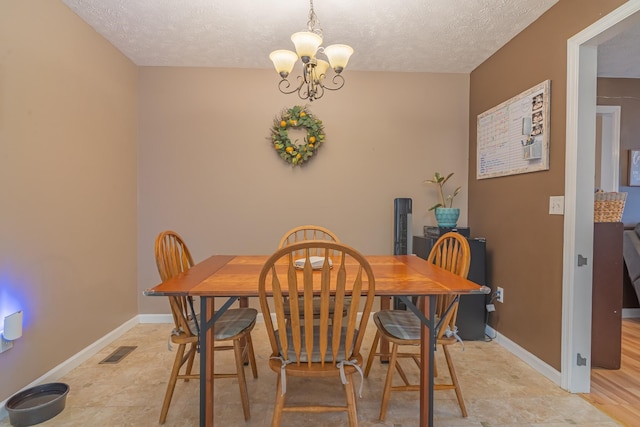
{"x": 296, "y": 117}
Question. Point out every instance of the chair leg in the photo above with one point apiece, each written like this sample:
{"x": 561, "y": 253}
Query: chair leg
{"x": 372, "y": 353}
{"x": 192, "y": 356}
{"x": 252, "y": 356}
{"x": 242, "y": 382}
{"x": 279, "y": 406}
{"x": 177, "y": 364}
{"x": 388, "y": 381}
{"x": 435, "y": 368}
{"x": 350, "y": 393}
{"x": 454, "y": 380}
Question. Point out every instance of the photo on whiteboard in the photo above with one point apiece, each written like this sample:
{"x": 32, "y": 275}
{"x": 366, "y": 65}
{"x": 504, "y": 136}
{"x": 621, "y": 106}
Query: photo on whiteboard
{"x": 536, "y": 117}
{"x": 536, "y": 130}
{"x": 537, "y": 102}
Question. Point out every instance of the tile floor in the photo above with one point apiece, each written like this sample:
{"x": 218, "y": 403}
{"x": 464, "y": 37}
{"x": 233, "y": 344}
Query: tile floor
{"x": 499, "y": 390}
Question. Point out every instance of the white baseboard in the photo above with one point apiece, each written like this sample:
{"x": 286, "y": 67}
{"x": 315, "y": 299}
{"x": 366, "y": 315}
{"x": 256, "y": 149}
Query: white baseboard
{"x": 540, "y": 366}
{"x": 77, "y": 359}
{"x": 628, "y": 313}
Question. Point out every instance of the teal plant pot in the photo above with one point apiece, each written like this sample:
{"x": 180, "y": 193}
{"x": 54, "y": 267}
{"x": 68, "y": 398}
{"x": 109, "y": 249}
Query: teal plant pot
{"x": 447, "y": 217}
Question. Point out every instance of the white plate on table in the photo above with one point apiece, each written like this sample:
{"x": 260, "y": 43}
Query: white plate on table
{"x": 316, "y": 262}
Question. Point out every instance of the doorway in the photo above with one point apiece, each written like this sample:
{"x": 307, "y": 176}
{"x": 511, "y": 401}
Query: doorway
{"x": 579, "y": 175}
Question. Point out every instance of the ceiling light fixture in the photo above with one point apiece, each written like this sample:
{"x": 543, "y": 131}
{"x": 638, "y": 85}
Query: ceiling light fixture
{"x": 312, "y": 83}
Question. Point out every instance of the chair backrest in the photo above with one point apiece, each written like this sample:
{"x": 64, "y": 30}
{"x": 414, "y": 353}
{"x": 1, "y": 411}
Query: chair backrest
{"x": 307, "y": 232}
{"x": 451, "y": 252}
{"x": 172, "y": 258}
{"x": 328, "y": 338}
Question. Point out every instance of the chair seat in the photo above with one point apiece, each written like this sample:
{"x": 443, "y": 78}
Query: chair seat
{"x": 404, "y": 325}
{"x": 319, "y": 370}
{"x": 400, "y": 324}
{"x": 233, "y": 322}
{"x": 315, "y": 356}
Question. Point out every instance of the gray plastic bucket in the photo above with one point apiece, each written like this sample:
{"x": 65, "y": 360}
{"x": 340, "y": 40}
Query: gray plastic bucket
{"x": 37, "y": 404}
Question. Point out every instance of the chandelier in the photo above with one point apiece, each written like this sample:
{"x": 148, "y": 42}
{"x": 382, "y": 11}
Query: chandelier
{"x": 312, "y": 83}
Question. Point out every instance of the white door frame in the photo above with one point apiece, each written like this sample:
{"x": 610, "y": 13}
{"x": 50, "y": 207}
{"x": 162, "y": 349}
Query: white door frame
{"x": 578, "y": 218}
{"x": 610, "y": 149}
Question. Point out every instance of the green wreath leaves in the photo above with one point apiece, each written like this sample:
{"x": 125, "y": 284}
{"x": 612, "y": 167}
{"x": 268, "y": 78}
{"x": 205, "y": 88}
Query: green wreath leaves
{"x": 296, "y": 117}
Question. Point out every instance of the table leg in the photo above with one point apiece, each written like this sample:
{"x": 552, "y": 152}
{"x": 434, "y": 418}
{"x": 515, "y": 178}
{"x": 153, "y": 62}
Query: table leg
{"x": 243, "y": 302}
{"x": 385, "y": 304}
{"x": 427, "y": 341}
{"x": 206, "y": 362}
{"x": 207, "y": 320}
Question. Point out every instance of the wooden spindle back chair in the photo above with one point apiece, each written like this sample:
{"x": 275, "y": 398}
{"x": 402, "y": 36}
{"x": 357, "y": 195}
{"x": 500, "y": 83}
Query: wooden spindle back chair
{"x": 235, "y": 325}
{"x": 402, "y": 328}
{"x": 329, "y": 344}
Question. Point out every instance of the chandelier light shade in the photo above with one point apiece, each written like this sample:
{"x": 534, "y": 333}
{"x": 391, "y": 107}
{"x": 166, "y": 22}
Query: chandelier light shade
{"x": 306, "y": 44}
{"x": 312, "y": 83}
{"x": 283, "y": 60}
{"x": 338, "y": 55}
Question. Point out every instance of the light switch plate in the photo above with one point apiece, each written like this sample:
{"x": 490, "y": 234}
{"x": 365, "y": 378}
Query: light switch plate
{"x": 556, "y": 205}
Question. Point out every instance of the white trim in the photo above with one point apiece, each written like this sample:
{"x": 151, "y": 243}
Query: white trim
{"x": 76, "y": 360}
{"x": 580, "y": 122}
{"x": 540, "y": 366}
{"x": 610, "y": 149}
{"x": 630, "y": 313}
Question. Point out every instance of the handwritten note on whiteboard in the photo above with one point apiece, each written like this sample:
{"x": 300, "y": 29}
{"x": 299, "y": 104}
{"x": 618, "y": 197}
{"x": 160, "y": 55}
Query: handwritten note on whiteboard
{"x": 513, "y": 137}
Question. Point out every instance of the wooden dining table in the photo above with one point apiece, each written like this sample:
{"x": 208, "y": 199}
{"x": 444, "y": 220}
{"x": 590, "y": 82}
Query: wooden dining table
{"x": 236, "y": 276}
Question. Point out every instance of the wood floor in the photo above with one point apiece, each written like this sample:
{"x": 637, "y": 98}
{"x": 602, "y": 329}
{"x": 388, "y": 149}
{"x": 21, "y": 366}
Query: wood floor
{"x": 617, "y": 392}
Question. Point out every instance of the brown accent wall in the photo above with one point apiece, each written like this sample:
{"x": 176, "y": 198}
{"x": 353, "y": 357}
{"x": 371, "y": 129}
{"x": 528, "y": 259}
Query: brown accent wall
{"x": 67, "y": 186}
{"x": 626, "y": 94}
{"x": 524, "y": 241}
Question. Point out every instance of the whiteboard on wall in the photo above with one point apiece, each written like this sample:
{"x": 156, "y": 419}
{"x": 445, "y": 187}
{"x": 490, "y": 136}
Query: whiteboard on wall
{"x": 513, "y": 137}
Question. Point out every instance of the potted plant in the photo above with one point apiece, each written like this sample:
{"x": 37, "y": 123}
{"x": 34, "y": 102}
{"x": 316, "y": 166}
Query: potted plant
{"x": 447, "y": 216}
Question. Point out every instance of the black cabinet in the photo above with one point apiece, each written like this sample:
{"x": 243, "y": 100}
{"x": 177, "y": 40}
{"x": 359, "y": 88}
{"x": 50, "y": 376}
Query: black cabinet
{"x": 472, "y": 309}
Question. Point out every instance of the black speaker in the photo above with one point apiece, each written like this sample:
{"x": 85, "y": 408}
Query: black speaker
{"x": 471, "y": 311}
{"x": 402, "y": 241}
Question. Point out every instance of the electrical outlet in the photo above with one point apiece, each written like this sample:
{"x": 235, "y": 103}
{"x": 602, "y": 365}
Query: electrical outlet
{"x": 500, "y": 294}
{"x": 5, "y": 344}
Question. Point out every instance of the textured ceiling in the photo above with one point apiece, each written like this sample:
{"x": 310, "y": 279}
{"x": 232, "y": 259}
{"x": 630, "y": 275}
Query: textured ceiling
{"x": 447, "y": 36}
{"x": 620, "y": 56}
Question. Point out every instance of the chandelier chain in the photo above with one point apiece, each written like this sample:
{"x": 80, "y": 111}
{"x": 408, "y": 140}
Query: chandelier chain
{"x": 313, "y": 21}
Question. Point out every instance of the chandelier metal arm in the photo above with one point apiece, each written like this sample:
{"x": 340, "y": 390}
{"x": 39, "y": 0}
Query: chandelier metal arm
{"x": 337, "y": 80}
{"x": 284, "y": 86}
{"x": 305, "y": 89}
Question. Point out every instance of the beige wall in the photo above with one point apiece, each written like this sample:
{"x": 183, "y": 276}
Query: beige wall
{"x": 67, "y": 186}
{"x": 208, "y": 170}
{"x": 524, "y": 241}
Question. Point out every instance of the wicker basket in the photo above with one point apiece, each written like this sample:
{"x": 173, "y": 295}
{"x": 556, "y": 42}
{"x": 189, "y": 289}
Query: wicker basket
{"x": 608, "y": 207}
